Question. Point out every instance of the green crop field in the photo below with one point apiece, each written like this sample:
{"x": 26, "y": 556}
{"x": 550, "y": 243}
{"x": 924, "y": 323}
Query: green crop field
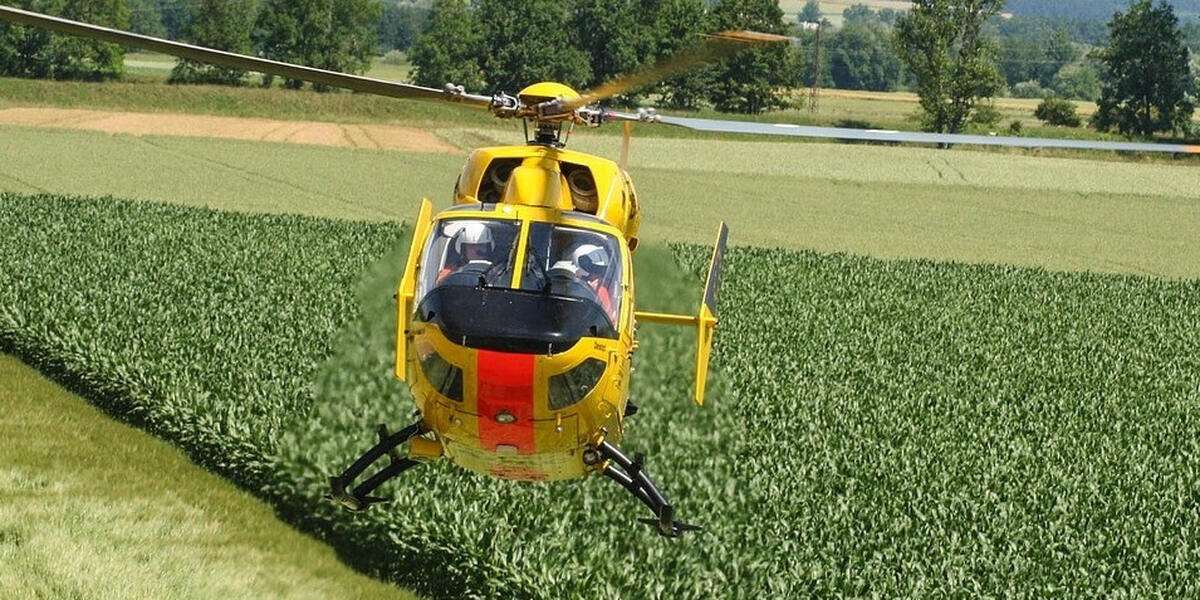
{"x": 876, "y": 428}
{"x": 90, "y": 508}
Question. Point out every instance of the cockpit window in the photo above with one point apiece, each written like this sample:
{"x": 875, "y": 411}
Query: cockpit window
{"x": 468, "y": 252}
{"x": 576, "y": 263}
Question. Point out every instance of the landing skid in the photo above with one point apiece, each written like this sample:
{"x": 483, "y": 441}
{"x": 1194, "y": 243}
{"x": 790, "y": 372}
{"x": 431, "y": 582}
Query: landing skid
{"x": 360, "y": 499}
{"x": 632, "y": 476}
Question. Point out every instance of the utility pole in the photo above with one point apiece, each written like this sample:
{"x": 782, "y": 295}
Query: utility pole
{"x": 814, "y": 92}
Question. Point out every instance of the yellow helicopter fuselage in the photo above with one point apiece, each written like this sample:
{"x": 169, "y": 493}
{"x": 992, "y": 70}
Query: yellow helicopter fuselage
{"x": 504, "y": 408}
{"x": 516, "y": 317}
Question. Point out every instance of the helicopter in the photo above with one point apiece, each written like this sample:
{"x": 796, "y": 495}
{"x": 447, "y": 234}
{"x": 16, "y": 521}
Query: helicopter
{"x": 516, "y": 317}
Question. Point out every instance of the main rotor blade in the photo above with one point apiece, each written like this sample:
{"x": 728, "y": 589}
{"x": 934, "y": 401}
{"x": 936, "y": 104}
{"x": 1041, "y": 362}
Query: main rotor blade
{"x": 712, "y": 47}
{"x": 879, "y": 135}
{"x": 240, "y": 61}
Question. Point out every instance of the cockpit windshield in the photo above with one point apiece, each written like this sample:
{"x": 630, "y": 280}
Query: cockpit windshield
{"x": 569, "y": 287}
{"x": 469, "y": 252}
{"x": 576, "y": 263}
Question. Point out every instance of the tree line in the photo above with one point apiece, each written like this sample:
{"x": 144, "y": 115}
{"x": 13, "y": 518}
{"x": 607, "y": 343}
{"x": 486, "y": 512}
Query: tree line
{"x": 1147, "y": 79}
{"x": 1087, "y": 9}
{"x": 340, "y": 35}
{"x": 956, "y": 54}
{"x": 502, "y": 45}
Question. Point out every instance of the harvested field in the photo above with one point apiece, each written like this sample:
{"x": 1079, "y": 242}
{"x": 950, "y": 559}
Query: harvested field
{"x": 1062, "y": 214}
{"x": 378, "y": 137}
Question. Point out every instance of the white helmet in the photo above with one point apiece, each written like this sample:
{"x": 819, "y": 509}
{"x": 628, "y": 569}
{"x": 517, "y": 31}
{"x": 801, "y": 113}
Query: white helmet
{"x": 565, "y": 266}
{"x": 474, "y": 233}
{"x": 590, "y": 258}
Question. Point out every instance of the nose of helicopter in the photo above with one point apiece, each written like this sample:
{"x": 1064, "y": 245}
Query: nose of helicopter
{"x": 505, "y": 396}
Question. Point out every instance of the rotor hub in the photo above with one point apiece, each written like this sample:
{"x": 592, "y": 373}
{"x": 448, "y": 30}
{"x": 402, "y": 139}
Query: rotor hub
{"x": 546, "y": 91}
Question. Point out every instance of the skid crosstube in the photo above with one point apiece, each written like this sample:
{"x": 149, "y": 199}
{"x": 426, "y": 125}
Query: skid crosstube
{"x": 632, "y": 476}
{"x": 360, "y": 499}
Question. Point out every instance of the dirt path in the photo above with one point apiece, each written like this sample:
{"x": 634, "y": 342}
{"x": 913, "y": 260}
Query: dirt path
{"x": 379, "y": 137}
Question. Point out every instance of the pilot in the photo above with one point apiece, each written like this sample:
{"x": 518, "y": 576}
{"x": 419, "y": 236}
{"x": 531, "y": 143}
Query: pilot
{"x": 474, "y": 245}
{"x": 591, "y": 261}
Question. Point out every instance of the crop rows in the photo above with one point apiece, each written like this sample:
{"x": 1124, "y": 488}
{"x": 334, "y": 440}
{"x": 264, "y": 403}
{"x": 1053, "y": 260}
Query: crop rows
{"x": 875, "y": 428}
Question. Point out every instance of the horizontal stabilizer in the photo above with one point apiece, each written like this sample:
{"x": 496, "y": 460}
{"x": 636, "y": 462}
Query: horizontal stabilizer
{"x": 706, "y": 321}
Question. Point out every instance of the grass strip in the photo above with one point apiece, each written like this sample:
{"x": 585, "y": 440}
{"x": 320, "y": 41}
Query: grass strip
{"x": 91, "y": 508}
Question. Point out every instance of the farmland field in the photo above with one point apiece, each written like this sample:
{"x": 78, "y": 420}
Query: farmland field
{"x": 896, "y": 110}
{"x": 832, "y": 9}
{"x": 880, "y": 428}
{"x": 1071, "y": 214}
{"x": 90, "y": 508}
{"x": 876, "y": 427}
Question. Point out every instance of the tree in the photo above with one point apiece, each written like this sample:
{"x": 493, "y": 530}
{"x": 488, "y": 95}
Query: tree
{"x": 811, "y": 12}
{"x": 36, "y": 53}
{"x": 1056, "y": 111}
{"x": 857, "y": 14}
{"x": 1146, "y": 80}
{"x": 612, "y": 34}
{"x": 145, "y": 17}
{"x": 399, "y": 26}
{"x": 1021, "y": 56}
{"x": 1035, "y": 53}
{"x": 1191, "y": 36}
{"x": 943, "y": 45}
{"x": 448, "y": 50}
{"x": 751, "y": 81}
{"x": 174, "y": 17}
{"x": 1059, "y": 53}
{"x": 220, "y": 24}
{"x": 889, "y": 16}
{"x": 527, "y": 42}
{"x": 675, "y": 26}
{"x": 335, "y": 35}
{"x": 1079, "y": 81}
{"x": 862, "y": 58}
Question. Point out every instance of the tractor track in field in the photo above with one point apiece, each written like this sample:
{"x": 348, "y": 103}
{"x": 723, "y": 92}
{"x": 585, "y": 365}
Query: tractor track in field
{"x": 370, "y": 136}
{"x": 252, "y": 175}
{"x": 12, "y": 177}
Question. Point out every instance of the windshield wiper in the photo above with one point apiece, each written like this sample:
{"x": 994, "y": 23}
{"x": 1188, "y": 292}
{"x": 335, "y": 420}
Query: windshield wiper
{"x": 531, "y": 255}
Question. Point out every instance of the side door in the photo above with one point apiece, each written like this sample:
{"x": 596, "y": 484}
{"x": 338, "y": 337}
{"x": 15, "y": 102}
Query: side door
{"x": 405, "y": 294}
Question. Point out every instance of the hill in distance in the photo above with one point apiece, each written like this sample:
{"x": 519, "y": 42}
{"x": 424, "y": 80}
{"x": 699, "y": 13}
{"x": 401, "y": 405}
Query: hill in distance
{"x": 1088, "y": 9}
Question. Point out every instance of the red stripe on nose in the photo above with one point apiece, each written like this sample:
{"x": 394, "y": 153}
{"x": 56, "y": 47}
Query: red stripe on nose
{"x": 505, "y": 385}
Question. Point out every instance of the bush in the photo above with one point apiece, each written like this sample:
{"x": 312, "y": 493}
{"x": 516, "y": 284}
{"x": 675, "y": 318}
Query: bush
{"x": 853, "y": 124}
{"x": 1015, "y": 127}
{"x": 1077, "y": 82}
{"x": 1029, "y": 89}
{"x": 395, "y": 57}
{"x": 35, "y": 53}
{"x": 986, "y": 114}
{"x": 1056, "y": 111}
